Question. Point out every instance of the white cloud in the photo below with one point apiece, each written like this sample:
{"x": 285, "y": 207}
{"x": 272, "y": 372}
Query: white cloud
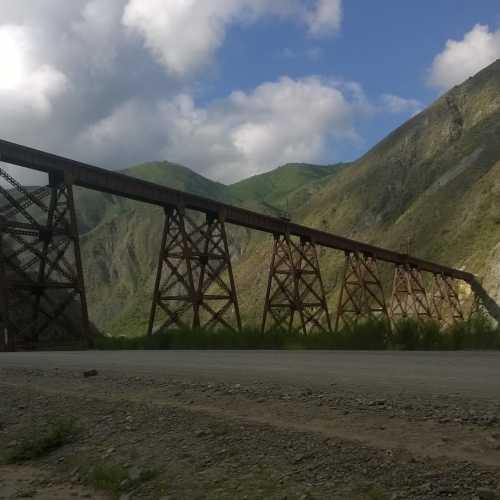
{"x": 325, "y": 17}
{"x": 75, "y": 82}
{"x": 97, "y": 29}
{"x": 462, "y": 59}
{"x": 24, "y": 81}
{"x": 396, "y": 104}
{"x": 244, "y": 134}
{"x": 184, "y": 34}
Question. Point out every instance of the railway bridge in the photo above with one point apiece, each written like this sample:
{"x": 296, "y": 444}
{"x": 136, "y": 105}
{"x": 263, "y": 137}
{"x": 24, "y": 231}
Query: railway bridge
{"x": 42, "y": 287}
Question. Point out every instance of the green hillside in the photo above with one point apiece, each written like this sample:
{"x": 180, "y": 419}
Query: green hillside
{"x": 273, "y": 188}
{"x": 179, "y": 177}
{"x": 94, "y": 207}
{"x": 435, "y": 180}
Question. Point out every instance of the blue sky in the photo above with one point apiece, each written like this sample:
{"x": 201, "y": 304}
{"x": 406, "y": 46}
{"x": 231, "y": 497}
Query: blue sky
{"x": 386, "y": 46}
{"x": 230, "y": 88}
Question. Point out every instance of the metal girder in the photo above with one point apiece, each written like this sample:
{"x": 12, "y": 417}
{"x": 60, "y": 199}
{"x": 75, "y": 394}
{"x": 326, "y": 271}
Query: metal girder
{"x": 130, "y": 187}
{"x": 409, "y": 295}
{"x": 41, "y": 273}
{"x": 361, "y": 295}
{"x": 445, "y": 299}
{"x": 194, "y": 285}
{"x": 295, "y": 289}
{"x": 447, "y": 307}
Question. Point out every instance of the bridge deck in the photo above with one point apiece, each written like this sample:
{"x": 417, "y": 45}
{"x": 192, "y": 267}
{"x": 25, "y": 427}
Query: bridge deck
{"x": 119, "y": 184}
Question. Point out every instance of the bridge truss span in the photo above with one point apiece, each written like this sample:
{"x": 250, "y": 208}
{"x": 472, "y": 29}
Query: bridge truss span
{"x": 195, "y": 286}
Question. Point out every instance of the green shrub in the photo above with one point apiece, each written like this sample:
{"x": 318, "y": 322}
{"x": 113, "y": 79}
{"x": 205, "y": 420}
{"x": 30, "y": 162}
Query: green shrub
{"x": 406, "y": 334}
{"x": 115, "y": 478}
{"x": 41, "y": 441}
{"x": 370, "y": 334}
{"x": 108, "y": 477}
{"x": 476, "y": 333}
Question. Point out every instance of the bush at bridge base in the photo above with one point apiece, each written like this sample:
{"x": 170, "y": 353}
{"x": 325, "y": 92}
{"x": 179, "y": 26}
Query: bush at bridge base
{"x": 407, "y": 334}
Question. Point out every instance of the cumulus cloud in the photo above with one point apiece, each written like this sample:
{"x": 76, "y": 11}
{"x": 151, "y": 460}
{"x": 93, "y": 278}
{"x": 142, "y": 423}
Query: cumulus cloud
{"x": 463, "y": 58}
{"x": 241, "y": 135}
{"x": 396, "y": 104}
{"x": 25, "y": 82}
{"x": 184, "y": 34}
{"x": 78, "y": 81}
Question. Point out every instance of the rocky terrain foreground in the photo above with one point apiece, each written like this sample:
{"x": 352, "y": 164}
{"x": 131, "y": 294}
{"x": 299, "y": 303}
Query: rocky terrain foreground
{"x": 154, "y": 426}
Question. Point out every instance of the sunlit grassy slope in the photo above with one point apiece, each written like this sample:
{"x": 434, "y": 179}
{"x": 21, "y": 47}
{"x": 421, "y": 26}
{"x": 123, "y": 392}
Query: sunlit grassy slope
{"x": 273, "y": 188}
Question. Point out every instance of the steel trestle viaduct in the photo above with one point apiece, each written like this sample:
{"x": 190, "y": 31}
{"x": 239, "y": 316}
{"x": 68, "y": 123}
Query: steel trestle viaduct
{"x": 41, "y": 277}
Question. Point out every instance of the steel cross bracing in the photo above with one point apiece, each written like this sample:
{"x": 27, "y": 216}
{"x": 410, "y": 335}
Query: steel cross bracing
{"x": 409, "y": 295}
{"x": 194, "y": 285}
{"x": 446, "y": 303}
{"x": 41, "y": 278}
{"x": 295, "y": 297}
{"x": 362, "y": 294}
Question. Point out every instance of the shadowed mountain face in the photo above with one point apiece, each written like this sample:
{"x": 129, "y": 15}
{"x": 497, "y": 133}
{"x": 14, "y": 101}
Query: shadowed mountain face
{"x": 434, "y": 182}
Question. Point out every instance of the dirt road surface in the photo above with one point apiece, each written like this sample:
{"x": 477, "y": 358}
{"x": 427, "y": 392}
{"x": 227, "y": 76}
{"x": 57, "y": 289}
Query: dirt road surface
{"x": 255, "y": 424}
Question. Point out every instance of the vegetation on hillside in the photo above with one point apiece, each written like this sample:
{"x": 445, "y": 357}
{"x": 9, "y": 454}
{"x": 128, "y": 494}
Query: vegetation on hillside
{"x": 276, "y": 187}
{"x": 41, "y": 440}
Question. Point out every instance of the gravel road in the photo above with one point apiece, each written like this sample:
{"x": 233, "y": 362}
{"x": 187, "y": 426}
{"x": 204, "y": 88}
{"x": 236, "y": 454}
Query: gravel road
{"x": 226, "y": 425}
{"x": 464, "y": 373}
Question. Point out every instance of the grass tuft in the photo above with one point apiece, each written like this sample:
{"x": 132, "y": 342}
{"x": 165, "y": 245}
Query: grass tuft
{"x": 108, "y": 477}
{"x": 41, "y": 441}
{"x": 115, "y": 478}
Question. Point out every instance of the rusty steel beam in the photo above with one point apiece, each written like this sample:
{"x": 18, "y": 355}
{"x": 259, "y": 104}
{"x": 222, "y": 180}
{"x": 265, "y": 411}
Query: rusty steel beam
{"x": 122, "y": 185}
{"x": 295, "y": 297}
{"x": 41, "y": 272}
{"x": 194, "y": 285}
{"x": 362, "y": 295}
{"x": 446, "y": 301}
{"x": 409, "y": 296}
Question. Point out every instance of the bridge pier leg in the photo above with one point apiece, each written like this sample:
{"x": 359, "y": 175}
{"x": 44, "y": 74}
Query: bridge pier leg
{"x": 40, "y": 265}
{"x": 6, "y": 331}
{"x": 194, "y": 285}
{"x": 361, "y": 295}
{"x": 446, "y": 301}
{"x": 409, "y": 296}
{"x": 295, "y": 288}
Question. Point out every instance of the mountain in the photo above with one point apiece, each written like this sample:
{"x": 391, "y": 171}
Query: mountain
{"x": 274, "y": 188}
{"x": 433, "y": 183}
{"x": 121, "y": 238}
{"x": 95, "y": 207}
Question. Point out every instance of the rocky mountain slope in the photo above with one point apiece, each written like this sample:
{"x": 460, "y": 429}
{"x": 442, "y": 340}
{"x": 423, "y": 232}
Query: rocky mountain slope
{"x": 435, "y": 182}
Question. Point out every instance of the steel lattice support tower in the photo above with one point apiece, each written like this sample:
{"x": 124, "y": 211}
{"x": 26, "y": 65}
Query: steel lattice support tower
{"x": 41, "y": 276}
{"x": 476, "y": 307}
{"x": 409, "y": 295}
{"x": 362, "y": 294}
{"x": 194, "y": 285}
{"x": 295, "y": 290}
{"x": 445, "y": 300}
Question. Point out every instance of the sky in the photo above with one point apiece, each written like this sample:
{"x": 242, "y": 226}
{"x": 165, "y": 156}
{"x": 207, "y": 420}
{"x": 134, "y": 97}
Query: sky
{"x": 230, "y": 88}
